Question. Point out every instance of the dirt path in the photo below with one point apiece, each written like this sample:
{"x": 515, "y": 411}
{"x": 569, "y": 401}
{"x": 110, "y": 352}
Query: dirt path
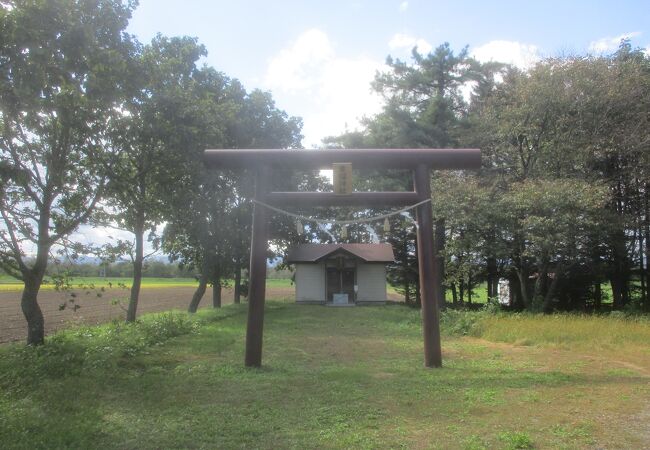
{"x": 109, "y": 306}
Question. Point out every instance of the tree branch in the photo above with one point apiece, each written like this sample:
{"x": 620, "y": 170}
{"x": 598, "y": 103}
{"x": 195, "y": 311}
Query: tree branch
{"x": 29, "y": 174}
{"x": 13, "y": 243}
{"x": 74, "y": 223}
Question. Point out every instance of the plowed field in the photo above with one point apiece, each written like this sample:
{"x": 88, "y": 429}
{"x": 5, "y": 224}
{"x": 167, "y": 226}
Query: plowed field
{"x": 111, "y": 305}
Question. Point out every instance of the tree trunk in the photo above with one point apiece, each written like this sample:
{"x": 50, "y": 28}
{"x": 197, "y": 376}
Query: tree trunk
{"x": 646, "y": 235}
{"x": 492, "y": 280}
{"x": 216, "y": 293}
{"x": 640, "y": 210}
{"x": 33, "y": 278}
{"x": 238, "y": 254}
{"x": 515, "y": 291}
{"x": 523, "y": 288}
{"x": 439, "y": 252}
{"x": 138, "y": 260}
{"x": 469, "y": 289}
{"x": 407, "y": 292}
{"x": 418, "y": 299}
{"x": 620, "y": 278}
{"x": 598, "y": 296}
{"x": 405, "y": 273}
{"x": 203, "y": 283}
{"x": 198, "y": 294}
{"x": 615, "y": 283}
{"x": 548, "y": 298}
{"x": 454, "y": 294}
{"x": 540, "y": 286}
{"x": 642, "y": 265}
{"x": 32, "y": 311}
{"x": 620, "y": 258}
{"x": 237, "y": 287}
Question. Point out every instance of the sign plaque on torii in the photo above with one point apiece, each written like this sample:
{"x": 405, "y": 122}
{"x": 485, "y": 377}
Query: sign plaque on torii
{"x": 420, "y": 160}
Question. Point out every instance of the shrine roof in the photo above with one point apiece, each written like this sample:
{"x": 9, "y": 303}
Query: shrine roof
{"x": 365, "y": 252}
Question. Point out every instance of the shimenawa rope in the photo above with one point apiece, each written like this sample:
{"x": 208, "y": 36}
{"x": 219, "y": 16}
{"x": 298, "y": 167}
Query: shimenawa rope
{"x": 336, "y": 221}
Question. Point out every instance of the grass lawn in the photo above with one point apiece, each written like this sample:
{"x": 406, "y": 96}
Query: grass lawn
{"x": 11, "y": 284}
{"x": 479, "y": 293}
{"x": 332, "y": 378}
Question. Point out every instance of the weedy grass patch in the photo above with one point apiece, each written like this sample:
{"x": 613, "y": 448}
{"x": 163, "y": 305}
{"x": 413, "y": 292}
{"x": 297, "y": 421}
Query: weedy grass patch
{"x": 568, "y": 330}
{"x": 332, "y": 378}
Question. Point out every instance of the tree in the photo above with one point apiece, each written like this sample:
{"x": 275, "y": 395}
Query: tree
{"x": 575, "y": 118}
{"x": 151, "y": 138}
{"x": 557, "y": 220}
{"x": 62, "y": 66}
{"x": 202, "y": 240}
{"x": 424, "y": 108}
{"x": 561, "y": 203}
{"x": 424, "y": 100}
{"x": 611, "y": 129}
{"x": 211, "y": 233}
{"x": 403, "y": 273}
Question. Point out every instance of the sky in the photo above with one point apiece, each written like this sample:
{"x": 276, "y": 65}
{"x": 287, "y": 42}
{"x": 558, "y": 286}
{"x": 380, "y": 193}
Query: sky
{"x": 318, "y": 58}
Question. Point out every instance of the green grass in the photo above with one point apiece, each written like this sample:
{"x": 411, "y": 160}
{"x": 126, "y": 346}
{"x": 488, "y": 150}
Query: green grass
{"x": 278, "y": 282}
{"x": 11, "y": 284}
{"x": 479, "y": 293}
{"x": 332, "y": 378}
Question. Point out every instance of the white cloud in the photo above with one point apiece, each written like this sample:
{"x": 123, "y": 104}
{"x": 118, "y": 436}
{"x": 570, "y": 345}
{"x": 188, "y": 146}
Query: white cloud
{"x": 403, "y": 6}
{"x": 610, "y": 44}
{"x": 87, "y": 234}
{"x": 510, "y": 52}
{"x": 402, "y": 41}
{"x": 329, "y": 92}
{"x": 100, "y": 235}
{"x": 291, "y": 69}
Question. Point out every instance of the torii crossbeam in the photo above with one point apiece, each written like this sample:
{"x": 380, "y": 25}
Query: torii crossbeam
{"x": 420, "y": 160}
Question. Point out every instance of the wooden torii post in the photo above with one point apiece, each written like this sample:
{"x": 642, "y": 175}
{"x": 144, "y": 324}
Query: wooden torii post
{"x": 421, "y": 161}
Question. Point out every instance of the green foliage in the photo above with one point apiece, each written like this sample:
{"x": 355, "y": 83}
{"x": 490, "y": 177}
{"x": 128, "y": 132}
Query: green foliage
{"x": 560, "y": 204}
{"x": 423, "y": 99}
{"x": 563, "y": 178}
{"x": 62, "y": 79}
{"x": 62, "y": 66}
{"x": 516, "y": 440}
{"x": 80, "y": 350}
{"x": 461, "y": 323}
{"x": 424, "y": 107}
{"x": 208, "y": 214}
{"x": 358, "y": 371}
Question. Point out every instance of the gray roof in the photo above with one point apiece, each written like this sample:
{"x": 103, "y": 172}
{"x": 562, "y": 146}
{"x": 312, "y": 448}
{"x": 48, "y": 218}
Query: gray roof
{"x": 316, "y": 252}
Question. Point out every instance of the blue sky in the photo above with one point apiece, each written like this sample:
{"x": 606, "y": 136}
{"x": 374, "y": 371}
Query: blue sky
{"x": 318, "y": 57}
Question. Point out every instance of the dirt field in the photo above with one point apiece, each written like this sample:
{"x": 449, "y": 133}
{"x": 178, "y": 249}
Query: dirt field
{"x": 111, "y": 305}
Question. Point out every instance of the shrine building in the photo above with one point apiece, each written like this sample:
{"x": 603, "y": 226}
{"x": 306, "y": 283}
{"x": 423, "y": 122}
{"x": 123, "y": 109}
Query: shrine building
{"x": 341, "y": 274}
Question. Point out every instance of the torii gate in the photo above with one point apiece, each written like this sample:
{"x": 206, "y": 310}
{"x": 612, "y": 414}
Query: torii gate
{"x": 420, "y": 160}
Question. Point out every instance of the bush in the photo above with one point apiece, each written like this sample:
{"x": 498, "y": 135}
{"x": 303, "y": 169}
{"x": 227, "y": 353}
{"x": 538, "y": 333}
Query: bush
{"x": 74, "y": 351}
{"x": 461, "y": 323}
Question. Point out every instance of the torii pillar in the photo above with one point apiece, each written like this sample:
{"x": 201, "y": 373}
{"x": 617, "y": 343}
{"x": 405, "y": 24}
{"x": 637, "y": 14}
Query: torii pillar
{"x": 420, "y": 161}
